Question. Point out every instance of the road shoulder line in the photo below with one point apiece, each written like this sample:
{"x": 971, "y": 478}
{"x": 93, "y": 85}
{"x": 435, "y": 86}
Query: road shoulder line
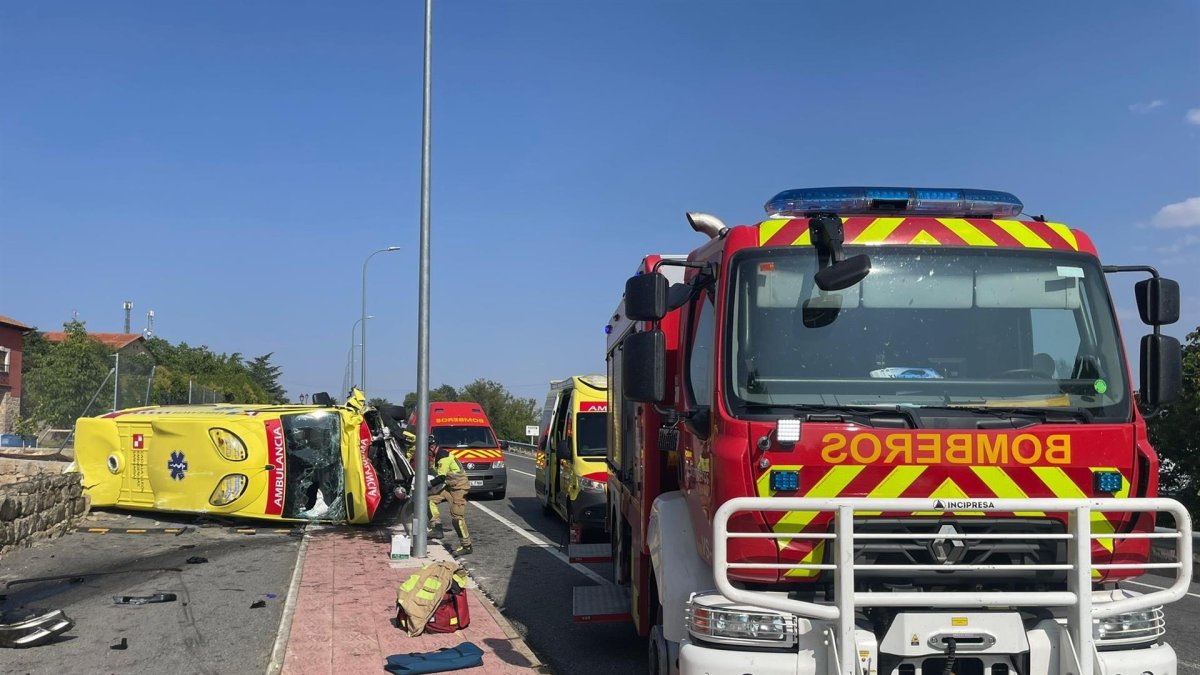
{"x": 279, "y": 651}
{"x": 549, "y": 548}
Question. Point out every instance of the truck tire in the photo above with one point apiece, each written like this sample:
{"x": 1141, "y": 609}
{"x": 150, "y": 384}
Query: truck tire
{"x": 656, "y": 648}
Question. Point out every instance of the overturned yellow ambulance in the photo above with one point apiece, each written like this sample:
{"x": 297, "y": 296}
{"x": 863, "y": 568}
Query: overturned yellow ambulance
{"x": 275, "y": 462}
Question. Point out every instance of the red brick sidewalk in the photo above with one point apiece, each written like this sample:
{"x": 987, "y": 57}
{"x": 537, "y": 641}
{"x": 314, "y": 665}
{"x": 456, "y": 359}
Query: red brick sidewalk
{"x": 343, "y": 616}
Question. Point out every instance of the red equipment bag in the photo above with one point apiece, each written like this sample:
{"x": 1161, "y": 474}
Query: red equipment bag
{"x": 453, "y": 614}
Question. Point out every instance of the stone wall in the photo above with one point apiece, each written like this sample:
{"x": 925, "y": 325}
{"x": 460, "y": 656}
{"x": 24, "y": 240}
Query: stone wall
{"x": 10, "y": 409}
{"x": 37, "y": 501}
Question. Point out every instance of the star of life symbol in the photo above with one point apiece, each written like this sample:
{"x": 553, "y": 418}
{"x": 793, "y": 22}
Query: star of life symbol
{"x": 177, "y": 465}
{"x": 139, "y": 441}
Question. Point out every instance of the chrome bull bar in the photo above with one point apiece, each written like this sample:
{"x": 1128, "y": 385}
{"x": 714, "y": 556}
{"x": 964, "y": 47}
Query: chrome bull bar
{"x": 1077, "y": 648}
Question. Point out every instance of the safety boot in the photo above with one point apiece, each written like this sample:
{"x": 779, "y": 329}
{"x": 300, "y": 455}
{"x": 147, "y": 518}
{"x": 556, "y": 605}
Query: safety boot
{"x": 461, "y": 551}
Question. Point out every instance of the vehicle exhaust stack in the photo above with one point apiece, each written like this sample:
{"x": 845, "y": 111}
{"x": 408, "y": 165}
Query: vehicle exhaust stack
{"x": 707, "y": 224}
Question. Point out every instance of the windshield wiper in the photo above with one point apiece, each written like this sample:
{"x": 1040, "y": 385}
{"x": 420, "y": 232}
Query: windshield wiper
{"x": 1012, "y": 414}
{"x": 872, "y": 416}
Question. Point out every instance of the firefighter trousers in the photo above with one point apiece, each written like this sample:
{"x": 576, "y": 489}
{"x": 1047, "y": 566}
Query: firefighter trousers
{"x": 458, "y": 511}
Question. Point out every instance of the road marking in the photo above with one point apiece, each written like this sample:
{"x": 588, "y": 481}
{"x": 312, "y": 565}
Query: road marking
{"x": 524, "y": 472}
{"x": 549, "y": 548}
{"x": 520, "y": 456}
{"x": 279, "y": 650}
{"x": 1161, "y": 588}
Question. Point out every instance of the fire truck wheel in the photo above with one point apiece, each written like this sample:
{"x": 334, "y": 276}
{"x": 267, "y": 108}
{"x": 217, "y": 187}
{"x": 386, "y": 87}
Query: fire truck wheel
{"x": 657, "y": 649}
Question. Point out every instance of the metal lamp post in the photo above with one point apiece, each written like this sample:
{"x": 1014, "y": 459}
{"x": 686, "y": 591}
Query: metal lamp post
{"x": 363, "y": 358}
{"x": 353, "y": 328}
{"x": 421, "y": 493}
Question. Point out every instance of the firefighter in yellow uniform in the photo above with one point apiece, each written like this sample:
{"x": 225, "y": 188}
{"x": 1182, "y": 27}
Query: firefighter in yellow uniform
{"x": 449, "y": 484}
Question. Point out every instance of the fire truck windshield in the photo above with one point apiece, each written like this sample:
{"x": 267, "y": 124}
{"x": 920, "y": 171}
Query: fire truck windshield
{"x": 967, "y": 327}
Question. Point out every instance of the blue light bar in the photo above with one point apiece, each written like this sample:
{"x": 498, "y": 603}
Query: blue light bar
{"x": 878, "y": 201}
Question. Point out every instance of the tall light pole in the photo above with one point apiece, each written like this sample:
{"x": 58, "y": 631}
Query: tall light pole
{"x": 362, "y": 321}
{"x": 422, "y": 451}
{"x": 363, "y": 358}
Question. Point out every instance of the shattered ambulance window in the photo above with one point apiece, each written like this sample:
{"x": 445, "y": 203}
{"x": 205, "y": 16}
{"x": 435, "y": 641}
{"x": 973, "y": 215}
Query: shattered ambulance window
{"x": 315, "y": 475}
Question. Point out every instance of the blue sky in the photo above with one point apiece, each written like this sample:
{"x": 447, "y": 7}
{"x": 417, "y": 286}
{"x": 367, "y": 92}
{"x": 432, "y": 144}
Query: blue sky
{"x": 229, "y": 164}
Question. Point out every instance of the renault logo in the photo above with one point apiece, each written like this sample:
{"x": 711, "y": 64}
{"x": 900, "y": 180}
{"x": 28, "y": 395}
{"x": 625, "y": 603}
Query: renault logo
{"x": 947, "y": 550}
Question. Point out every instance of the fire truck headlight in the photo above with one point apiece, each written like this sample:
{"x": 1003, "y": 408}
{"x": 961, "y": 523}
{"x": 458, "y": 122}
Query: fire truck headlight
{"x": 592, "y": 485}
{"x": 1133, "y": 629}
{"x": 228, "y": 444}
{"x": 228, "y": 490}
{"x": 735, "y": 625}
{"x": 498, "y": 465}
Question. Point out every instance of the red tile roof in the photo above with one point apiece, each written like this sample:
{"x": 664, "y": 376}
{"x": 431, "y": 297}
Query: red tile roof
{"x": 114, "y": 341}
{"x": 5, "y": 321}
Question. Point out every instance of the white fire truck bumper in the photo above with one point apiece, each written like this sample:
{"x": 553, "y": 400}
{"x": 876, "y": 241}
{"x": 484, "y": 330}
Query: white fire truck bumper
{"x": 1157, "y": 660}
{"x": 695, "y": 659}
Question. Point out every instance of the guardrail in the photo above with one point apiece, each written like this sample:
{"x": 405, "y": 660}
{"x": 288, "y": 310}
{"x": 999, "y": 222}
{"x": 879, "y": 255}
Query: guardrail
{"x": 1078, "y": 567}
{"x": 1159, "y": 552}
{"x": 521, "y": 448}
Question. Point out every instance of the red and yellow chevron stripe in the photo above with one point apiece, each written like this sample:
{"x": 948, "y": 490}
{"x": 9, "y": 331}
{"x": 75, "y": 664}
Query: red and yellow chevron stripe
{"x": 867, "y": 230}
{"x": 980, "y": 482}
{"x": 477, "y": 455}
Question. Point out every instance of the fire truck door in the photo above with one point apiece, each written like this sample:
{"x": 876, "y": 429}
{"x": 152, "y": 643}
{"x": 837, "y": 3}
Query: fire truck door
{"x": 696, "y": 446}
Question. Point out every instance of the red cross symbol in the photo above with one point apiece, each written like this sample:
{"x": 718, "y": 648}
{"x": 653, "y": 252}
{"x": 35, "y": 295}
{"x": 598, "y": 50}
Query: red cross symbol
{"x": 138, "y": 442}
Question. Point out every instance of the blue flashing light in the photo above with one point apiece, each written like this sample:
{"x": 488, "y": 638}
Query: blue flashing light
{"x": 1108, "y": 482}
{"x": 785, "y": 481}
{"x": 945, "y": 202}
{"x": 608, "y": 329}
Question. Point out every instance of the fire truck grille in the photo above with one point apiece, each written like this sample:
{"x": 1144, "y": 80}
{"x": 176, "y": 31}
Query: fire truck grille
{"x": 1017, "y": 550}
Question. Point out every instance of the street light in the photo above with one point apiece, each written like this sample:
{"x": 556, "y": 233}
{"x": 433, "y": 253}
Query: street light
{"x": 363, "y": 321}
{"x": 389, "y": 249}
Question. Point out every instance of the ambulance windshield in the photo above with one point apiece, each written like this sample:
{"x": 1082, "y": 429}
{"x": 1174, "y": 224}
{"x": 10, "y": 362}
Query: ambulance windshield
{"x": 969, "y": 327}
{"x": 591, "y": 438}
{"x": 315, "y": 476}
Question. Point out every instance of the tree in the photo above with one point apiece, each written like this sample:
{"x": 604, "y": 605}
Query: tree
{"x": 378, "y": 402}
{"x": 508, "y": 414}
{"x": 266, "y": 375}
{"x": 1175, "y": 433}
{"x": 442, "y": 393}
{"x": 65, "y": 376}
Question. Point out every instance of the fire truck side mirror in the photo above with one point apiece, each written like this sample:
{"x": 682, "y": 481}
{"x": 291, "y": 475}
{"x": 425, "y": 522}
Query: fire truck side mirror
{"x": 1158, "y": 301}
{"x": 844, "y": 273}
{"x": 646, "y": 297}
{"x": 643, "y": 366}
{"x": 1162, "y": 370}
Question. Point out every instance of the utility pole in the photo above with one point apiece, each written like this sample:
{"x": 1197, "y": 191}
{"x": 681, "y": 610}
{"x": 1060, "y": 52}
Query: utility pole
{"x": 422, "y": 451}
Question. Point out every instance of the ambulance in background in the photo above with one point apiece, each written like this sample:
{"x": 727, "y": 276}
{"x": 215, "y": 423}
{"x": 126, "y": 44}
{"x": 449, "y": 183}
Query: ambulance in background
{"x": 464, "y": 429}
{"x": 571, "y": 478}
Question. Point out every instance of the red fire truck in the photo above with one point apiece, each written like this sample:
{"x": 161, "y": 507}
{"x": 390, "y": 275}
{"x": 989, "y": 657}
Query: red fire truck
{"x": 887, "y": 431}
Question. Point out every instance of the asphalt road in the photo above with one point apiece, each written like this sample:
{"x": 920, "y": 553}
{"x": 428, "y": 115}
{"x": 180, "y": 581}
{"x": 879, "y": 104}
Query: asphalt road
{"x": 210, "y": 628}
{"x": 520, "y": 571}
